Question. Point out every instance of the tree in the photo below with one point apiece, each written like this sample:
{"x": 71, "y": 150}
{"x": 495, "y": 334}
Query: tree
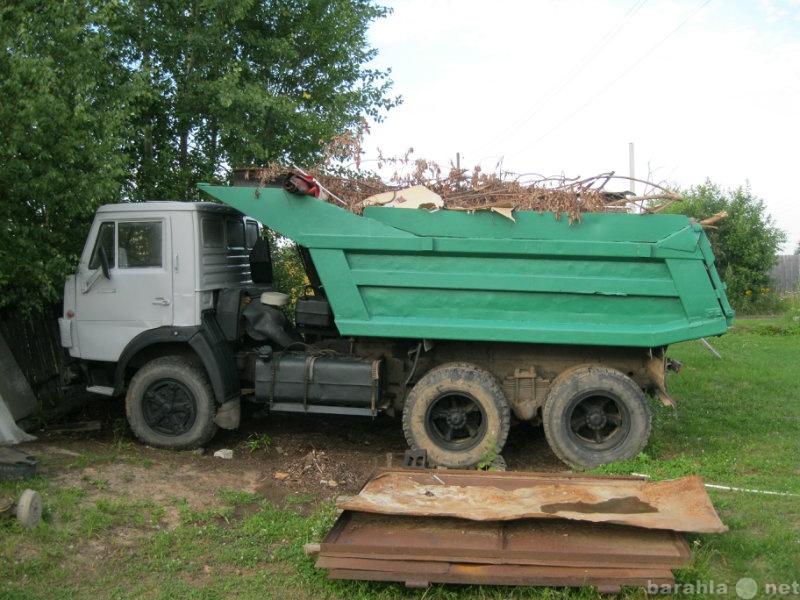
{"x": 745, "y": 243}
{"x": 237, "y": 84}
{"x": 102, "y": 101}
{"x": 61, "y": 117}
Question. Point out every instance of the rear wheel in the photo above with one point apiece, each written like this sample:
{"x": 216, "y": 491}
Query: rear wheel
{"x": 458, "y": 413}
{"x": 170, "y": 404}
{"x": 596, "y": 415}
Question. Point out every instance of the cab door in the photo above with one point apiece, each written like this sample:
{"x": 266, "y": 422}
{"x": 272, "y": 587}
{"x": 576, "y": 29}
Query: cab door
{"x": 136, "y": 296}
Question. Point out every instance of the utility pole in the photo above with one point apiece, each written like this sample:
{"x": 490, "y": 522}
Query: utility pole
{"x": 631, "y": 170}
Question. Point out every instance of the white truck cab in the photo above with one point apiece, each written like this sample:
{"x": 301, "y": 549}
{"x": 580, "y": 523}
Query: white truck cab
{"x": 142, "y": 314}
{"x": 164, "y": 262}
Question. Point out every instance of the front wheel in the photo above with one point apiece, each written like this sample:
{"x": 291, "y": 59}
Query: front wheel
{"x": 458, "y": 413}
{"x": 594, "y": 416}
{"x": 170, "y": 404}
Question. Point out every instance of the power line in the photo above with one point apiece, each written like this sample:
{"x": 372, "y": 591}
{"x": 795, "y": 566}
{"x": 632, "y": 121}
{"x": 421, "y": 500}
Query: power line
{"x": 625, "y": 72}
{"x": 593, "y": 52}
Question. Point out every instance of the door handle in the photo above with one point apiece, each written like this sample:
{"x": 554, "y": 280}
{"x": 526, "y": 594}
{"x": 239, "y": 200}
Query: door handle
{"x": 160, "y": 301}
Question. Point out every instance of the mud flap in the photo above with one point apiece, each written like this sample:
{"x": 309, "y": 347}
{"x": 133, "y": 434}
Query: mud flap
{"x": 229, "y": 414}
{"x": 665, "y": 398}
{"x": 657, "y": 370}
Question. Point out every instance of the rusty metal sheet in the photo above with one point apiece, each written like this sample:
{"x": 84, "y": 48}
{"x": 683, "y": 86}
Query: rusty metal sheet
{"x": 678, "y": 504}
{"x": 419, "y": 551}
{"x": 544, "y": 542}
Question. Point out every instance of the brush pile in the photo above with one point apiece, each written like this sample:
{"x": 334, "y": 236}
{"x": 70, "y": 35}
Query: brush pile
{"x": 461, "y": 189}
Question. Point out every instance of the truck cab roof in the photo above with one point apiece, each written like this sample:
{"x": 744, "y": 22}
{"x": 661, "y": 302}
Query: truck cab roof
{"x": 168, "y": 206}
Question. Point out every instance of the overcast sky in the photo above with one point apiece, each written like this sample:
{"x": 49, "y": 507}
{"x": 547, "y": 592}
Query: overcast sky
{"x": 702, "y": 88}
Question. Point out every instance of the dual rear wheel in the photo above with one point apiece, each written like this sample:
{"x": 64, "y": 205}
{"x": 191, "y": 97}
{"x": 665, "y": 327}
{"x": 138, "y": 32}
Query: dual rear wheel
{"x": 459, "y": 414}
{"x": 596, "y": 415}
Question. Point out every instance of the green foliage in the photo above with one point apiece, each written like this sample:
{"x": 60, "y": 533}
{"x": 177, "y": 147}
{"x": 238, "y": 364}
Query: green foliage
{"x": 745, "y": 243}
{"x": 137, "y": 99}
{"x": 489, "y": 456}
{"x": 243, "y": 83}
{"x": 256, "y": 441}
{"x": 62, "y": 117}
{"x": 759, "y": 301}
{"x": 288, "y": 272}
{"x": 788, "y": 325}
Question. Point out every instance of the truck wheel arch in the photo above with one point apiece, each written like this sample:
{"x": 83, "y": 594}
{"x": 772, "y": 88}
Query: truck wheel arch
{"x": 200, "y": 342}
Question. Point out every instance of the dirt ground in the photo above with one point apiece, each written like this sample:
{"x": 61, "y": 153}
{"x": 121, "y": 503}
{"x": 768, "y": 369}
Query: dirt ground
{"x": 276, "y": 456}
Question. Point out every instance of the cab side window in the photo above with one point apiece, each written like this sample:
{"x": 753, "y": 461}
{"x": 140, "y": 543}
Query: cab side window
{"x": 213, "y": 233}
{"x": 140, "y": 244}
{"x": 251, "y": 233}
{"x": 235, "y": 233}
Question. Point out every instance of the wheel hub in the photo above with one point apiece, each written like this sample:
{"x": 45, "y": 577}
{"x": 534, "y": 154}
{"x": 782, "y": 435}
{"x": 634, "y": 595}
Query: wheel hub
{"x": 455, "y": 421}
{"x": 168, "y": 408}
{"x": 596, "y": 419}
{"x": 456, "y": 418}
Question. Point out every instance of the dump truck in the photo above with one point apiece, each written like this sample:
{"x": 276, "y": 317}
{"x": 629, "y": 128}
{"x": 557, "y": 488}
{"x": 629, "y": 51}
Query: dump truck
{"x": 457, "y": 323}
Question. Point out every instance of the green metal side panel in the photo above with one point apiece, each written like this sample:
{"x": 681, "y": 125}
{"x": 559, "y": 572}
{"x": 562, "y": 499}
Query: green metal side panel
{"x": 610, "y": 279}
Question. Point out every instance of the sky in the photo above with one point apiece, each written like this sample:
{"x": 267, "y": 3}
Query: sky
{"x": 703, "y": 89}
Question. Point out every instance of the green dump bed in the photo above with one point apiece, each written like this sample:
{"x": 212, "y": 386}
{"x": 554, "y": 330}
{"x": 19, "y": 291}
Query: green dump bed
{"x": 610, "y": 279}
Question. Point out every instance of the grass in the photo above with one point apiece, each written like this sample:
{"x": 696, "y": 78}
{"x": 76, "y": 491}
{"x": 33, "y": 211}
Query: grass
{"x": 737, "y": 425}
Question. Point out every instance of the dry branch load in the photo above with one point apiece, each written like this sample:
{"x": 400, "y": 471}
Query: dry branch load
{"x": 459, "y": 190}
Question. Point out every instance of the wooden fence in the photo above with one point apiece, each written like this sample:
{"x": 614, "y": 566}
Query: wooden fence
{"x": 785, "y": 276}
{"x": 35, "y": 342}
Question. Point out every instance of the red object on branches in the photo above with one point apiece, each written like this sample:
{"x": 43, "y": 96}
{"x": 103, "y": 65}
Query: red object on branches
{"x": 303, "y": 185}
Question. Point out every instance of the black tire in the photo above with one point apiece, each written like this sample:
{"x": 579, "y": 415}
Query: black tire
{"x": 594, "y": 416}
{"x": 458, "y": 413}
{"x": 170, "y": 404}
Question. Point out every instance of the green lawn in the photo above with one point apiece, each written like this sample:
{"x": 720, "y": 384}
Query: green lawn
{"x": 737, "y": 425}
